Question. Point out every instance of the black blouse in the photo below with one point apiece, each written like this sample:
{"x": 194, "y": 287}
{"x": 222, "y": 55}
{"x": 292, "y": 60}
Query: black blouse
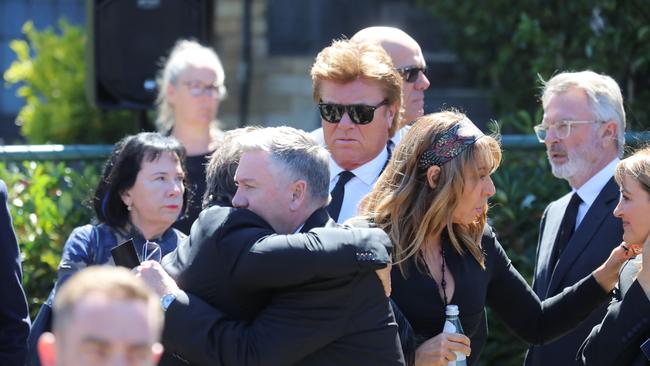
{"x": 195, "y": 166}
{"x": 499, "y": 286}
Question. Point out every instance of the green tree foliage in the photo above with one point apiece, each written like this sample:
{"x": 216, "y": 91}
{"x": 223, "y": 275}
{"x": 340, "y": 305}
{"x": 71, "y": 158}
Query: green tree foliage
{"x": 47, "y": 200}
{"x": 50, "y": 69}
{"x": 511, "y": 44}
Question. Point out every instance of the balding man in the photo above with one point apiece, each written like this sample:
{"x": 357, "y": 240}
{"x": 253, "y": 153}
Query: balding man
{"x": 408, "y": 61}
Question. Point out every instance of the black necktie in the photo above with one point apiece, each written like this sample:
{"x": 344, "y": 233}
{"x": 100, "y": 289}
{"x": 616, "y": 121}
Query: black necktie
{"x": 566, "y": 227}
{"x": 337, "y": 193}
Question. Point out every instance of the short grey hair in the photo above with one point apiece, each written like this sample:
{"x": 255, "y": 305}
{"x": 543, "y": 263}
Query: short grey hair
{"x": 184, "y": 55}
{"x": 220, "y": 171}
{"x": 603, "y": 93}
{"x": 297, "y": 152}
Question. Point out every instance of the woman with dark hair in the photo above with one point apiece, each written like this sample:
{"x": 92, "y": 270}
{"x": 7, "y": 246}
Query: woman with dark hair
{"x": 432, "y": 201}
{"x": 140, "y": 195}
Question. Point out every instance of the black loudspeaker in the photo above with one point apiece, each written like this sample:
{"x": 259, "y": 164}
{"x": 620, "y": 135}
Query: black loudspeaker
{"x": 127, "y": 41}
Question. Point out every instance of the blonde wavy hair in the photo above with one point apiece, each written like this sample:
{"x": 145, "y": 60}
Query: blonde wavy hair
{"x": 636, "y": 166}
{"x": 184, "y": 55}
{"x": 345, "y": 61}
{"x": 404, "y": 205}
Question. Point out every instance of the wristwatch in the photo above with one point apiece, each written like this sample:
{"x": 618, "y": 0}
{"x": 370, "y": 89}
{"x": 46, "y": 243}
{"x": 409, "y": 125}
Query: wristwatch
{"x": 167, "y": 300}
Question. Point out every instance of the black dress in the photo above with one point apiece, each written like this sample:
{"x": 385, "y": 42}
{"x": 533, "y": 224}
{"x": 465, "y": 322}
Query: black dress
{"x": 499, "y": 286}
{"x": 195, "y": 166}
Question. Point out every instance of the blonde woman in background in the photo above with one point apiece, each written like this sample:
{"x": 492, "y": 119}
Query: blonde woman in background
{"x": 190, "y": 89}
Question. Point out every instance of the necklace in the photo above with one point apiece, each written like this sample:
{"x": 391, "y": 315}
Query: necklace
{"x": 443, "y": 283}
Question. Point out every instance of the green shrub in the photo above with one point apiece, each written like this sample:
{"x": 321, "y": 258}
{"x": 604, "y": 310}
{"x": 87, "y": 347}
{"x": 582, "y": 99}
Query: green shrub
{"x": 47, "y": 200}
{"x": 510, "y": 44}
{"x": 51, "y": 71}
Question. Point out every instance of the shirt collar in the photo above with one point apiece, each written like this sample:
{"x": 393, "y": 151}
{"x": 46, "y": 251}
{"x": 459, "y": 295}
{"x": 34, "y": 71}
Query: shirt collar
{"x": 591, "y": 189}
{"x": 368, "y": 172}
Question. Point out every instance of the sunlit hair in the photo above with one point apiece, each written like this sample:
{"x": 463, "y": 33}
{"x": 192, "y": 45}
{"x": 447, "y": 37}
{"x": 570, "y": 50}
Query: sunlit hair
{"x": 220, "y": 172}
{"x": 346, "y": 61}
{"x": 185, "y": 54}
{"x": 603, "y": 93}
{"x": 637, "y": 167}
{"x": 113, "y": 283}
{"x": 410, "y": 211}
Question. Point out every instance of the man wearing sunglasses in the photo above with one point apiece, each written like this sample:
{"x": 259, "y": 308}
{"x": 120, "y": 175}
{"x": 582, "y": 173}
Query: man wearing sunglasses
{"x": 359, "y": 94}
{"x": 409, "y": 62}
{"x": 583, "y": 130}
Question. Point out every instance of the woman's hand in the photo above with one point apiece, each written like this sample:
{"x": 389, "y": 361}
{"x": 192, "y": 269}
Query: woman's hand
{"x": 155, "y": 276}
{"x": 439, "y": 350}
{"x": 607, "y": 274}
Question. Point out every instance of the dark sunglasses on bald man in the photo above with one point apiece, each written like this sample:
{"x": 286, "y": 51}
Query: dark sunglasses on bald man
{"x": 411, "y": 73}
{"x": 360, "y": 114}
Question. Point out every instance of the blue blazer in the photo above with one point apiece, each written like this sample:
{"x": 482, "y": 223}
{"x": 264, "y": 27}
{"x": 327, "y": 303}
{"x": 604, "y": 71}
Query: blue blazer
{"x": 14, "y": 313}
{"x": 596, "y": 236}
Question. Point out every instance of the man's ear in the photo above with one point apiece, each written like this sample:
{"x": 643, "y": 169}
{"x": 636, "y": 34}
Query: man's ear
{"x": 391, "y": 110}
{"x": 610, "y": 132}
{"x": 47, "y": 349}
{"x": 433, "y": 173}
{"x": 298, "y": 194}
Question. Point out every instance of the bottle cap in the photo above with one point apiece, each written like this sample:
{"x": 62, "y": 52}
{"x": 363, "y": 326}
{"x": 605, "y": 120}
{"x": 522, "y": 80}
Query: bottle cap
{"x": 452, "y": 310}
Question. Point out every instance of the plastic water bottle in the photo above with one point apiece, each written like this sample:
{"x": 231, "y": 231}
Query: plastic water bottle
{"x": 452, "y": 325}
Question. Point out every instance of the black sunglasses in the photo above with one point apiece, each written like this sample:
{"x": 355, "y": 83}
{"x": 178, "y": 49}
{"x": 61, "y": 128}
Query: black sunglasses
{"x": 410, "y": 73}
{"x": 360, "y": 114}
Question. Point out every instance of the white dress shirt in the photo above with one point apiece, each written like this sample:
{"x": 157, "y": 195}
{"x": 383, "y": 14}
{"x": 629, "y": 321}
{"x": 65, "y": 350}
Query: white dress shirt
{"x": 360, "y": 185}
{"x": 589, "y": 191}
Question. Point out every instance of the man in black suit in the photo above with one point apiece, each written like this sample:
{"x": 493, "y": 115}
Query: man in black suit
{"x": 305, "y": 299}
{"x": 584, "y": 133}
{"x": 14, "y": 314}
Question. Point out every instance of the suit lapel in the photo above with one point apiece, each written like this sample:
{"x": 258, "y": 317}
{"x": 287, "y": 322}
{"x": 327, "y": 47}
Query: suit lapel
{"x": 552, "y": 223}
{"x": 599, "y": 210}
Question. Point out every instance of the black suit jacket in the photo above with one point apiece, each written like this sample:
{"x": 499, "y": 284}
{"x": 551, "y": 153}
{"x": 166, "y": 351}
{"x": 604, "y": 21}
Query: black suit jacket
{"x": 617, "y": 340}
{"x": 596, "y": 236}
{"x": 308, "y": 299}
{"x": 14, "y": 314}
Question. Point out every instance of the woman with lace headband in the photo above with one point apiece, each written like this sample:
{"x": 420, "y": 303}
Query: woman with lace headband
{"x": 432, "y": 200}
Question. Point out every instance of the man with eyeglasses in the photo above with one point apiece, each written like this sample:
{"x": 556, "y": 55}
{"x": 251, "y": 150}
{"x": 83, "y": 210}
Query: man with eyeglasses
{"x": 584, "y": 133}
{"x": 359, "y": 94}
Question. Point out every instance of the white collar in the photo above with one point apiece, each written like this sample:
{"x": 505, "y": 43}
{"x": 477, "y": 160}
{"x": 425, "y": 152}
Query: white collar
{"x": 368, "y": 172}
{"x": 591, "y": 189}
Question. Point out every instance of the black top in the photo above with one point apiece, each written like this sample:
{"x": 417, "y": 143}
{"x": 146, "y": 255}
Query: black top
{"x": 195, "y": 166}
{"x": 501, "y": 287}
{"x": 621, "y": 339}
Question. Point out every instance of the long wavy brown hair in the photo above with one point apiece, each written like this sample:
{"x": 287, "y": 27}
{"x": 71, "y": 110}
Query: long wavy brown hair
{"x": 404, "y": 205}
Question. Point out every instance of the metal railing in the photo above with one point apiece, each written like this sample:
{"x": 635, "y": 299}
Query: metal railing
{"x": 99, "y": 152}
